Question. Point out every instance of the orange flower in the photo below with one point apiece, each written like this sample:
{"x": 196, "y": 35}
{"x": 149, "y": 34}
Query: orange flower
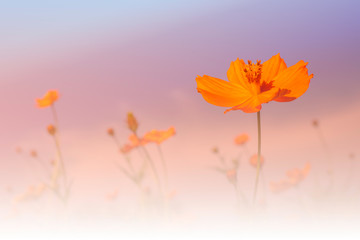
{"x": 126, "y": 148}
{"x": 241, "y": 139}
{"x": 297, "y": 175}
{"x": 253, "y": 160}
{"x": 253, "y": 84}
{"x": 50, "y": 97}
{"x": 135, "y": 141}
{"x": 294, "y": 177}
{"x": 159, "y": 136}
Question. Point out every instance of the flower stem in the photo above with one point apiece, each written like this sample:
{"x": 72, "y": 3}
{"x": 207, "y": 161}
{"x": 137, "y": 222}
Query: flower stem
{"x": 165, "y": 171}
{"x": 258, "y": 157}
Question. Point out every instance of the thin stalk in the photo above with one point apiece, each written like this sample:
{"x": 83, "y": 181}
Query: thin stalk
{"x": 163, "y": 162}
{"x": 57, "y": 144}
{"x": 258, "y": 157}
{"x": 153, "y": 168}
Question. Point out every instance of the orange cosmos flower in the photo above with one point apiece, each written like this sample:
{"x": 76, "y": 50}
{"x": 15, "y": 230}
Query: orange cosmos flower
{"x": 253, "y": 84}
{"x": 253, "y": 160}
{"x": 50, "y": 97}
{"x": 159, "y": 136}
{"x": 135, "y": 141}
{"x": 297, "y": 175}
{"x": 294, "y": 177}
{"x": 241, "y": 139}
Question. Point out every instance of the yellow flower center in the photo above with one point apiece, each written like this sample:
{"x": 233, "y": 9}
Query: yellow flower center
{"x": 253, "y": 71}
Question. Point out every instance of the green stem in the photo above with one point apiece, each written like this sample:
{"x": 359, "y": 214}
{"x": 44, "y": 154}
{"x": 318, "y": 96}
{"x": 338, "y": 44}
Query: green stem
{"x": 258, "y": 157}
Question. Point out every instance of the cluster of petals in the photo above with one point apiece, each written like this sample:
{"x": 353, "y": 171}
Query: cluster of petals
{"x": 250, "y": 85}
{"x": 156, "y": 136}
{"x": 48, "y": 100}
{"x": 241, "y": 139}
{"x": 294, "y": 177}
{"x": 33, "y": 192}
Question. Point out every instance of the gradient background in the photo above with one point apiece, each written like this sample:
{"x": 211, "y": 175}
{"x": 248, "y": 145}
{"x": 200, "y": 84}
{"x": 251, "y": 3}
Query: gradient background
{"x": 110, "y": 57}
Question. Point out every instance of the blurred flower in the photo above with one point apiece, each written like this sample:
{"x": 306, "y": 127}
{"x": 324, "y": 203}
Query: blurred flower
{"x": 253, "y": 84}
{"x": 126, "y": 148}
{"x": 51, "y": 129}
{"x": 33, "y": 192}
{"x": 297, "y": 175}
{"x": 50, "y": 97}
{"x": 253, "y": 160}
{"x": 110, "y": 132}
{"x": 159, "y": 136}
{"x": 241, "y": 139}
{"x": 132, "y": 122}
{"x": 135, "y": 141}
{"x": 294, "y": 177}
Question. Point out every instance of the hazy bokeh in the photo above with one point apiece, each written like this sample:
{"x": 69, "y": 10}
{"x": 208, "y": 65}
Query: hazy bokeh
{"x": 109, "y": 57}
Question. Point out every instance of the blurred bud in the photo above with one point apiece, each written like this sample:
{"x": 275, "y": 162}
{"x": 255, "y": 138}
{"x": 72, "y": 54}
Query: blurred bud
{"x": 254, "y": 159}
{"x": 241, "y": 139}
{"x": 352, "y": 156}
{"x": 215, "y": 150}
{"x": 131, "y": 122}
{"x": 231, "y": 175}
{"x": 33, "y": 153}
{"x": 111, "y": 132}
{"x": 51, "y": 130}
{"x": 315, "y": 123}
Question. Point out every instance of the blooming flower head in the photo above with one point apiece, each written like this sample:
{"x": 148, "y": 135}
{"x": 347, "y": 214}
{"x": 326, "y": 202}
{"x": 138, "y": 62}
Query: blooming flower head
{"x": 159, "y": 136}
{"x": 294, "y": 177}
{"x": 253, "y": 160}
{"x": 241, "y": 139}
{"x": 253, "y": 84}
{"x": 135, "y": 141}
{"x": 48, "y": 100}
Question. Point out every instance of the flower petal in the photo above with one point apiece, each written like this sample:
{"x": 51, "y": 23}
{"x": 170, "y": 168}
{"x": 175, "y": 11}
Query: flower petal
{"x": 220, "y": 92}
{"x": 292, "y": 82}
{"x": 250, "y": 105}
{"x": 272, "y": 67}
{"x": 237, "y": 75}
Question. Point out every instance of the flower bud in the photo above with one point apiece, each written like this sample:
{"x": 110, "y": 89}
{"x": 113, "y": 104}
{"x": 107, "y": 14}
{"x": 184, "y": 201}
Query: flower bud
{"x": 51, "y": 129}
{"x": 132, "y": 122}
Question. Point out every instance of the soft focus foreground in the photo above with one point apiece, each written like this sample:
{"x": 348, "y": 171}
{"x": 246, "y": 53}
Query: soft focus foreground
{"x": 103, "y": 134}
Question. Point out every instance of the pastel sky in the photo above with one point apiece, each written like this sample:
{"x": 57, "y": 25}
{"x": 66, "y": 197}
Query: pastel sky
{"x": 110, "y": 57}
